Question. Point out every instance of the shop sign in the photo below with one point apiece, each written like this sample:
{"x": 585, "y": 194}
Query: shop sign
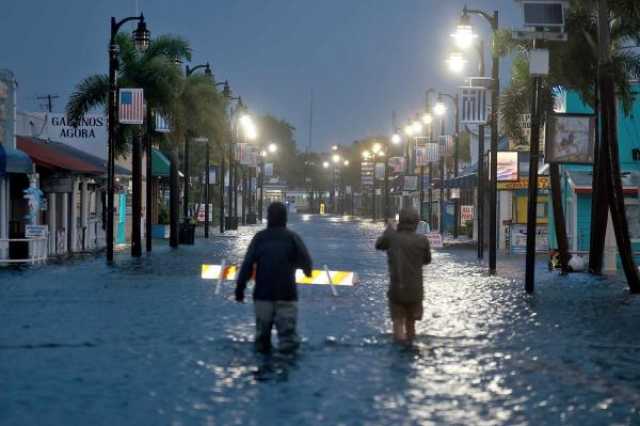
{"x": 35, "y": 231}
{"x": 435, "y": 240}
{"x": 53, "y": 185}
{"x": 466, "y": 214}
{"x": 523, "y": 183}
{"x": 519, "y": 238}
{"x": 571, "y": 139}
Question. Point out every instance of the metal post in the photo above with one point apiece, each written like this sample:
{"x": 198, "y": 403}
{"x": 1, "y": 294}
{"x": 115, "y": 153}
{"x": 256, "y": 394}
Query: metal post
{"x": 222, "y": 179}
{"x": 421, "y": 192}
{"x": 442, "y": 206}
{"x": 481, "y": 185}
{"x": 430, "y": 196}
{"x": 136, "y": 201}
{"x": 113, "y": 118}
{"x": 386, "y": 189}
{"x": 206, "y": 193}
{"x": 261, "y": 199}
{"x": 187, "y": 178}
{"x": 493, "y": 196}
{"x": 149, "y": 193}
{"x": 532, "y": 200}
{"x": 456, "y": 211}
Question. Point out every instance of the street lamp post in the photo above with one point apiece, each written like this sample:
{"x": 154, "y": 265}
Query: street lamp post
{"x": 456, "y": 142}
{"x": 226, "y": 92}
{"x": 141, "y": 38}
{"x": 272, "y": 148}
{"x": 493, "y": 20}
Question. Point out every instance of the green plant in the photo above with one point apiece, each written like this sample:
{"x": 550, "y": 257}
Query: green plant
{"x": 163, "y": 216}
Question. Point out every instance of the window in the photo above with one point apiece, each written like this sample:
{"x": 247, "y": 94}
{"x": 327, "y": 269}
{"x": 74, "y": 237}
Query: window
{"x": 632, "y": 210}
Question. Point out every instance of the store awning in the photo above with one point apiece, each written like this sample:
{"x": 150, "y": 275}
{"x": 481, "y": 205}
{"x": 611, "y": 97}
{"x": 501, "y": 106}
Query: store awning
{"x": 58, "y": 156}
{"x": 14, "y": 161}
{"x": 581, "y": 182}
{"x": 160, "y": 164}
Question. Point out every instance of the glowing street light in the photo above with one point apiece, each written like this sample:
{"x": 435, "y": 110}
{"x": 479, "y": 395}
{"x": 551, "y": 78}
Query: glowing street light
{"x": 376, "y": 148}
{"x": 464, "y": 36}
{"x": 427, "y": 119}
{"x": 273, "y": 148}
{"x": 366, "y": 154}
{"x": 248, "y": 127}
{"x": 346, "y": 163}
{"x": 440, "y": 109}
{"x": 408, "y": 130}
{"x": 396, "y": 139}
{"x": 334, "y": 148}
{"x": 325, "y": 164}
{"x": 456, "y": 62}
{"x": 417, "y": 127}
{"x": 335, "y": 158}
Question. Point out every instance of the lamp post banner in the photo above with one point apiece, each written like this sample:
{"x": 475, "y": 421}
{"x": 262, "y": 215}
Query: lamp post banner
{"x": 475, "y": 105}
{"x": 446, "y": 145}
{"x": 433, "y": 152}
{"x": 397, "y": 164}
{"x": 268, "y": 169}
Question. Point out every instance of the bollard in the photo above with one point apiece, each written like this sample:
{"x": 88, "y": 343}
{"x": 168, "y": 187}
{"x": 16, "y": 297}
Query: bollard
{"x": 333, "y": 287}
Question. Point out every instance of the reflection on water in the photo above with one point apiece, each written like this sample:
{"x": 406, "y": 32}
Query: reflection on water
{"x": 148, "y": 342}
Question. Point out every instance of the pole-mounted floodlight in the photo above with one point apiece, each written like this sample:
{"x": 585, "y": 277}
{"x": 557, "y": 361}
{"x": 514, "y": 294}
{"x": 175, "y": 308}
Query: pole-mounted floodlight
{"x": 427, "y": 118}
{"x": 335, "y": 158}
{"x": 464, "y": 36}
{"x": 408, "y": 130}
{"x": 325, "y": 164}
{"x": 396, "y": 139}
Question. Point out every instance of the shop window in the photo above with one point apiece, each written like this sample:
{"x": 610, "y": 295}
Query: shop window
{"x": 632, "y": 210}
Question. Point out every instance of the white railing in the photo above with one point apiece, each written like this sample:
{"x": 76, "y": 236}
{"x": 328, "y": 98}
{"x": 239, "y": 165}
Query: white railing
{"x": 38, "y": 247}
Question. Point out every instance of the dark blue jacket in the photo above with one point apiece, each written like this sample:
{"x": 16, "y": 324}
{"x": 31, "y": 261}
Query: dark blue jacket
{"x": 276, "y": 253}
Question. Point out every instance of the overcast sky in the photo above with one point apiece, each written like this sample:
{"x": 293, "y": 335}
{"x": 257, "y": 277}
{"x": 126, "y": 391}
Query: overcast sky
{"x": 362, "y": 59}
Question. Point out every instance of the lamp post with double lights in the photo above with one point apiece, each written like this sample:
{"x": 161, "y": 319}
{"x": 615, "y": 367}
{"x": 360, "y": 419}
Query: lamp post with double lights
{"x": 464, "y": 37}
{"x": 271, "y": 149}
{"x": 395, "y": 139}
{"x": 187, "y": 166}
{"x": 456, "y": 141}
{"x": 141, "y": 38}
{"x": 249, "y": 133}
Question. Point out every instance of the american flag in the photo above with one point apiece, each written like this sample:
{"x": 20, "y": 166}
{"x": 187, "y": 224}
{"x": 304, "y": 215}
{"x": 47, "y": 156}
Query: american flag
{"x": 131, "y": 104}
{"x": 474, "y": 105}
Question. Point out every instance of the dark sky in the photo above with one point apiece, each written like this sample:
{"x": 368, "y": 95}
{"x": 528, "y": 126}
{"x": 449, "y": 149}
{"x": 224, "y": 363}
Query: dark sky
{"x": 361, "y": 58}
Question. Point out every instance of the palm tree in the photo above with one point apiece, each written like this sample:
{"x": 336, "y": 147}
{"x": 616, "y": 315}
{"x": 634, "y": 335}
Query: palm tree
{"x": 156, "y": 71}
{"x": 199, "y": 111}
{"x": 574, "y": 66}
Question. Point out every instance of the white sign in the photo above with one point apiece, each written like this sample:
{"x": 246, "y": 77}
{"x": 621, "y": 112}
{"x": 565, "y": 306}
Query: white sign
{"x": 435, "y": 240}
{"x": 466, "y": 214}
{"x": 475, "y": 104}
{"x": 90, "y": 136}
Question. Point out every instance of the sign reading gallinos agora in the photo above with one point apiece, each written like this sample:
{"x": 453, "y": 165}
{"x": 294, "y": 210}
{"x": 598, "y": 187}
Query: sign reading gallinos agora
{"x": 89, "y": 135}
{"x": 86, "y": 129}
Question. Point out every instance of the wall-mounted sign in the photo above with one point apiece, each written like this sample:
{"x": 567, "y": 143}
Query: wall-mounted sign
{"x": 507, "y": 166}
{"x": 523, "y": 183}
{"x": 571, "y": 139}
{"x": 466, "y": 214}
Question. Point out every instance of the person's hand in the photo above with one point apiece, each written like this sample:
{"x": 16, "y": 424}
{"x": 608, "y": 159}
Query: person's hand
{"x": 239, "y": 296}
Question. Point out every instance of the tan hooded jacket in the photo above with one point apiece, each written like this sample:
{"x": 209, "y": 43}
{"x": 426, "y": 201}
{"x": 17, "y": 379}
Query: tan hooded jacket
{"x": 407, "y": 252}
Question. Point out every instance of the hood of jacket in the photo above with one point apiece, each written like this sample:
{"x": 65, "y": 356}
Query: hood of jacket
{"x": 277, "y": 215}
{"x": 408, "y": 220}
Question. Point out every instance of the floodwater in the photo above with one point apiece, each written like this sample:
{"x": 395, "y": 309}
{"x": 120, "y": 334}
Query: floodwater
{"x": 149, "y": 342}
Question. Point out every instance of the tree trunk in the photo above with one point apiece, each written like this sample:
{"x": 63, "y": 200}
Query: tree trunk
{"x": 610, "y": 140}
{"x": 174, "y": 200}
{"x": 150, "y": 188}
{"x": 558, "y": 217}
{"x": 599, "y": 202}
{"x": 136, "y": 196}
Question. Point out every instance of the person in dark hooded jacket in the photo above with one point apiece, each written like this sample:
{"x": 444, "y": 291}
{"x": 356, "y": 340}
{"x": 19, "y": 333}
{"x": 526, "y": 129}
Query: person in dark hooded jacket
{"x": 274, "y": 254}
{"x": 407, "y": 251}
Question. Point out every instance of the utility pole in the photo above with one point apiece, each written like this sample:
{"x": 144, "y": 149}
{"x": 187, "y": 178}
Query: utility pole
{"x": 49, "y": 99}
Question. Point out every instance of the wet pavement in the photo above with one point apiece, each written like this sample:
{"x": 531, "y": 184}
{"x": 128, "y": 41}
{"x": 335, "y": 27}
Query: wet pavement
{"x": 148, "y": 342}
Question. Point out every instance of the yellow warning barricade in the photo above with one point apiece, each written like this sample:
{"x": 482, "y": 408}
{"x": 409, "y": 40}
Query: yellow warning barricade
{"x": 318, "y": 276}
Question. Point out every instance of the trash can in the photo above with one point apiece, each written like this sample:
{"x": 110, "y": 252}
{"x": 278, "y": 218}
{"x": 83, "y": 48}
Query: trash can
{"x": 187, "y": 233}
{"x": 231, "y": 223}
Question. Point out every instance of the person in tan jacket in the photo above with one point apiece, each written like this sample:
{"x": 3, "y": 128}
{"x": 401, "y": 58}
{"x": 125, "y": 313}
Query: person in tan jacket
{"x": 407, "y": 253}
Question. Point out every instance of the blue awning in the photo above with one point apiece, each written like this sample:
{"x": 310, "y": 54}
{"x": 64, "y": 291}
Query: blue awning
{"x": 14, "y": 161}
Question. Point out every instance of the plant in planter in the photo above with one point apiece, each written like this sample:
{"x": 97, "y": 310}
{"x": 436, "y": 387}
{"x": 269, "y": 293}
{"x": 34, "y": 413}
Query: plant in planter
{"x": 161, "y": 230}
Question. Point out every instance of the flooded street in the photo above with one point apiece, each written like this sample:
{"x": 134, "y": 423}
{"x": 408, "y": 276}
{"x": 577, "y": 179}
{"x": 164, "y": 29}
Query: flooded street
{"x": 148, "y": 342}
